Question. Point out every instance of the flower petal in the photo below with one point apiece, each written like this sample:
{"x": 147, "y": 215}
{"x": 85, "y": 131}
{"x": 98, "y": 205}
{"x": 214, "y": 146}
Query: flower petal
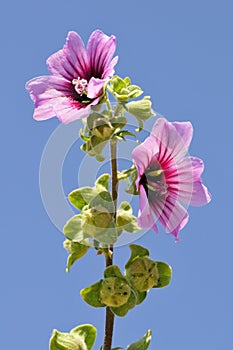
{"x": 45, "y": 92}
{"x": 185, "y": 130}
{"x": 144, "y": 153}
{"x": 173, "y": 139}
{"x": 70, "y": 62}
{"x": 171, "y": 215}
{"x": 68, "y": 110}
{"x": 100, "y": 50}
{"x": 109, "y": 70}
{"x": 145, "y": 215}
{"x": 200, "y": 194}
{"x": 95, "y": 87}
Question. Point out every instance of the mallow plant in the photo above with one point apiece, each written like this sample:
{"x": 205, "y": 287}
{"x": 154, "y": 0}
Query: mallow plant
{"x": 163, "y": 174}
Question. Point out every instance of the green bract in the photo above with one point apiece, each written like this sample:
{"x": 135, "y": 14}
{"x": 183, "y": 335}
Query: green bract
{"x": 79, "y": 338}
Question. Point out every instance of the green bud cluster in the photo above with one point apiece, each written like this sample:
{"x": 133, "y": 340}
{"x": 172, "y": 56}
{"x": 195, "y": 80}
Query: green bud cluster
{"x": 124, "y": 292}
{"x": 105, "y": 124}
{"x": 122, "y": 89}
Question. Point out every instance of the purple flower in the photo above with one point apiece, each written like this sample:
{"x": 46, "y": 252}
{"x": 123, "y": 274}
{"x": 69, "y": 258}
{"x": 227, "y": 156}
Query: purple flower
{"x": 77, "y": 78}
{"x": 168, "y": 179}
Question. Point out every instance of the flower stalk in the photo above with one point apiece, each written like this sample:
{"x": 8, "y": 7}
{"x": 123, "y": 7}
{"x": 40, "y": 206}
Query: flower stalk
{"x": 109, "y": 319}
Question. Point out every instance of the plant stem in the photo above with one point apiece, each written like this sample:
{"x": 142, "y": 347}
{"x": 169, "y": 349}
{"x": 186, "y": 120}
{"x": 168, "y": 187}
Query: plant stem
{"x": 109, "y": 320}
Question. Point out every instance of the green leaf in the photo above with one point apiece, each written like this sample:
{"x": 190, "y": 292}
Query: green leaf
{"x": 132, "y": 226}
{"x": 101, "y": 348}
{"x": 103, "y": 181}
{"x": 108, "y": 235}
{"x": 103, "y": 199}
{"x": 97, "y": 146}
{"x": 120, "y": 135}
{"x": 87, "y": 332}
{"x": 125, "y": 220}
{"x": 141, "y": 344}
{"x": 76, "y": 251}
{"x": 129, "y": 175}
{"x": 122, "y": 90}
{"x": 141, "y": 296}
{"x": 73, "y": 229}
{"x": 165, "y": 274}
{"x": 127, "y": 81}
{"x": 91, "y": 294}
{"x": 121, "y": 311}
{"x": 118, "y": 122}
{"x": 136, "y": 252}
{"x": 82, "y": 196}
{"x": 113, "y": 271}
{"x": 116, "y": 84}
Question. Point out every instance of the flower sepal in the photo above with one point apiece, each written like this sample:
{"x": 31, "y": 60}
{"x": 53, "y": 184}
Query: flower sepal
{"x": 79, "y": 338}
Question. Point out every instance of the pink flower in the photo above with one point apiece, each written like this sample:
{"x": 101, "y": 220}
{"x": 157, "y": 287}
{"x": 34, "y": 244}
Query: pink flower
{"x": 168, "y": 179}
{"x": 77, "y": 78}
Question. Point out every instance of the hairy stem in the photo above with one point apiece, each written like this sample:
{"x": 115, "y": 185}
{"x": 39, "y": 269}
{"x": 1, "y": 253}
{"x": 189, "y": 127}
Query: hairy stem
{"x": 109, "y": 320}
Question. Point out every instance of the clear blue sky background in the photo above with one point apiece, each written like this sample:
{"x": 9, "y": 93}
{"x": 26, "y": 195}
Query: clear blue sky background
{"x": 181, "y": 53}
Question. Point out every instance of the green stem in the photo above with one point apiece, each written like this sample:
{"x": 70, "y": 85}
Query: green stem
{"x": 109, "y": 320}
{"x": 108, "y": 103}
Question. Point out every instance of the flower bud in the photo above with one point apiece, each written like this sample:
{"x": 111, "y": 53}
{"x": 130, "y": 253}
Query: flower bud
{"x": 114, "y": 291}
{"x": 96, "y": 219}
{"x": 102, "y": 128}
{"x": 61, "y": 341}
{"x": 140, "y": 109}
{"x": 143, "y": 274}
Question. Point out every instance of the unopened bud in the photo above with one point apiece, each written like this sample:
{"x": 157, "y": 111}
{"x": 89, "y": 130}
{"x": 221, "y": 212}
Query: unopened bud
{"x": 143, "y": 274}
{"x": 114, "y": 291}
{"x": 96, "y": 218}
{"x": 102, "y": 128}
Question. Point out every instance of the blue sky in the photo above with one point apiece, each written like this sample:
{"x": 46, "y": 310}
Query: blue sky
{"x": 181, "y": 54}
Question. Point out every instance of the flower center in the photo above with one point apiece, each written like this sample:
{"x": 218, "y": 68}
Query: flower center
{"x": 80, "y": 86}
{"x": 154, "y": 183}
